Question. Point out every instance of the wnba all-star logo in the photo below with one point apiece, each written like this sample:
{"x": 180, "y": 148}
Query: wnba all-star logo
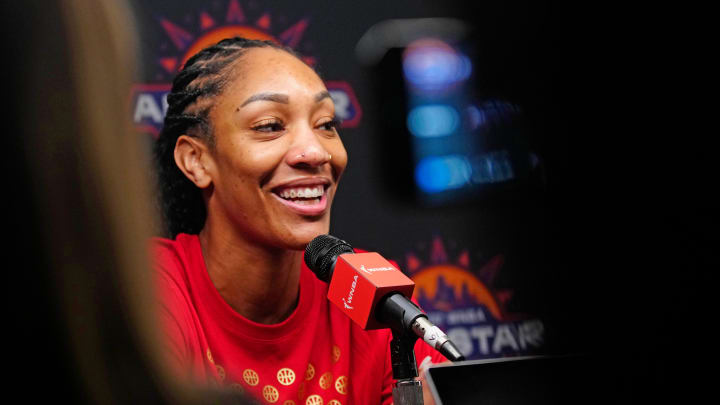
{"x": 464, "y": 304}
{"x": 203, "y": 28}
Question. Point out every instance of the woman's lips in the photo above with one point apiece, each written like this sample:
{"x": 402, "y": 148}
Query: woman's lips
{"x": 311, "y": 206}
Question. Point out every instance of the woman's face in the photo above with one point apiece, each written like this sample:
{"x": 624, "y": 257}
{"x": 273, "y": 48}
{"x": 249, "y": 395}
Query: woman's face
{"x": 277, "y": 157}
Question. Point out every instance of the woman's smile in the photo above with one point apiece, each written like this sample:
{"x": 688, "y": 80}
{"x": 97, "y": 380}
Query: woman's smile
{"x": 305, "y": 196}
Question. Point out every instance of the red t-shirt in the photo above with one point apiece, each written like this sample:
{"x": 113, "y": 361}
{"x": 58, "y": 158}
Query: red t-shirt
{"x": 316, "y": 356}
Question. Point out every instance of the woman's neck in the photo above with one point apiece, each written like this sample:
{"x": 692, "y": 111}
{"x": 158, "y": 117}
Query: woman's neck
{"x": 258, "y": 283}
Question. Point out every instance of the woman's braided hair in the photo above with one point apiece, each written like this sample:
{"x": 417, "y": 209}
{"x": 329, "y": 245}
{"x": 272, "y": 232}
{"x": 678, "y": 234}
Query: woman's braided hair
{"x": 194, "y": 89}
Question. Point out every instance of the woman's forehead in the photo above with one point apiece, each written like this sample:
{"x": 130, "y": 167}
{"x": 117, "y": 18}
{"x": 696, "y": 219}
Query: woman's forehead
{"x": 274, "y": 70}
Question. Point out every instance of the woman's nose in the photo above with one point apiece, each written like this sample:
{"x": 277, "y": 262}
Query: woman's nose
{"x": 307, "y": 150}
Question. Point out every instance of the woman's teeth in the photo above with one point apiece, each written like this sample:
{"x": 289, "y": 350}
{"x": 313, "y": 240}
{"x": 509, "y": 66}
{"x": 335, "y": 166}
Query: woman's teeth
{"x": 310, "y": 193}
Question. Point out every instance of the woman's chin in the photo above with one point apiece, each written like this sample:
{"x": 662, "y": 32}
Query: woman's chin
{"x": 298, "y": 237}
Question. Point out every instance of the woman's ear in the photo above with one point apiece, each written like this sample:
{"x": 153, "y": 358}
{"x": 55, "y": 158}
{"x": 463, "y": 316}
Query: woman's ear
{"x": 191, "y": 156}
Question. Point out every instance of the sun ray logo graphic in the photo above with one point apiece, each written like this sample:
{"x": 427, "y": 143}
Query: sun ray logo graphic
{"x": 465, "y": 305}
{"x": 184, "y": 39}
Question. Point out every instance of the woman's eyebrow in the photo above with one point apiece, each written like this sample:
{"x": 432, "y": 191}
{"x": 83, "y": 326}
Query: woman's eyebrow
{"x": 322, "y": 95}
{"x": 275, "y": 97}
{"x": 281, "y": 98}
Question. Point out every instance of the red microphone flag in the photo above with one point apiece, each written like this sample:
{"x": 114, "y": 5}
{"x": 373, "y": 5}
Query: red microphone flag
{"x": 358, "y": 283}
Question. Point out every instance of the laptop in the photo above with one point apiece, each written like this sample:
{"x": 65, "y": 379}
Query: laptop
{"x": 521, "y": 380}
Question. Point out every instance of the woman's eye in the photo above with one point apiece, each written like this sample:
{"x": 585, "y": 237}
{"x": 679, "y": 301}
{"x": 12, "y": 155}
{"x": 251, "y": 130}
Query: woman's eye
{"x": 331, "y": 125}
{"x": 272, "y": 126}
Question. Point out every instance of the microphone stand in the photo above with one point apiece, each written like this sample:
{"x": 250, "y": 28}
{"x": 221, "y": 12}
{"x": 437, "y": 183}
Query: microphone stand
{"x": 407, "y": 390}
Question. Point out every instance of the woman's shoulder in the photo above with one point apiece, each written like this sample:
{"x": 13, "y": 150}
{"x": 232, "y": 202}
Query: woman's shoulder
{"x": 182, "y": 241}
{"x": 172, "y": 259}
{"x": 183, "y": 247}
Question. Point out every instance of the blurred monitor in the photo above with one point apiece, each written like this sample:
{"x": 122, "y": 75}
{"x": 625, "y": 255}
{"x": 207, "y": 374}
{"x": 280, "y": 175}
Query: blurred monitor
{"x": 447, "y": 137}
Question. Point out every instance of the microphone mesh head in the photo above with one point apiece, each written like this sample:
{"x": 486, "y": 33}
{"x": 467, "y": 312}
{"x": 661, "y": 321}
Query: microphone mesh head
{"x": 321, "y": 254}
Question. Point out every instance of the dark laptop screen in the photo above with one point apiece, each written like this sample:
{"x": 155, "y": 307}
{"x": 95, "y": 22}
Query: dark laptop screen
{"x": 519, "y": 381}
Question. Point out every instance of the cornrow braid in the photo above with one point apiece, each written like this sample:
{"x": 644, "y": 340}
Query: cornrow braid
{"x": 194, "y": 89}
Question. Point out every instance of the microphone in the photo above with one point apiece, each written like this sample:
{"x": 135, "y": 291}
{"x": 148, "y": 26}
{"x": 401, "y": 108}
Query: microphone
{"x": 372, "y": 292}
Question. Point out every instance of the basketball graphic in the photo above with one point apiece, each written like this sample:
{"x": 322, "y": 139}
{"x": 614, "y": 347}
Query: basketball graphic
{"x": 237, "y": 387}
{"x": 314, "y": 400}
{"x": 270, "y": 393}
{"x": 220, "y": 371}
{"x": 209, "y": 356}
{"x": 334, "y": 402}
{"x": 251, "y": 377}
{"x": 335, "y": 354}
{"x": 289, "y": 402}
{"x": 325, "y": 380}
{"x": 310, "y": 372}
{"x": 341, "y": 384}
{"x": 286, "y": 376}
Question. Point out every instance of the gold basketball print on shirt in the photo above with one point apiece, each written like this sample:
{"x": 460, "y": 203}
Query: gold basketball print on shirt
{"x": 220, "y": 371}
{"x": 334, "y": 402}
{"x": 270, "y": 393}
{"x": 237, "y": 387}
{"x": 341, "y": 385}
{"x": 286, "y": 376}
{"x": 209, "y": 356}
{"x": 335, "y": 353}
{"x": 251, "y": 377}
{"x": 314, "y": 400}
{"x": 310, "y": 372}
{"x": 325, "y": 380}
{"x": 289, "y": 402}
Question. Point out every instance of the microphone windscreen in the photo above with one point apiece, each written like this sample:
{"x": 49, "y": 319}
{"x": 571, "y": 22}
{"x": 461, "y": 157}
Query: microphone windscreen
{"x": 321, "y": 254}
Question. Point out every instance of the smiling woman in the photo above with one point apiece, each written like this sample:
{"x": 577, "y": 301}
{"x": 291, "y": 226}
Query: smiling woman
{"x": 249, "y": 162}
{"x": 271, "y": 132}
